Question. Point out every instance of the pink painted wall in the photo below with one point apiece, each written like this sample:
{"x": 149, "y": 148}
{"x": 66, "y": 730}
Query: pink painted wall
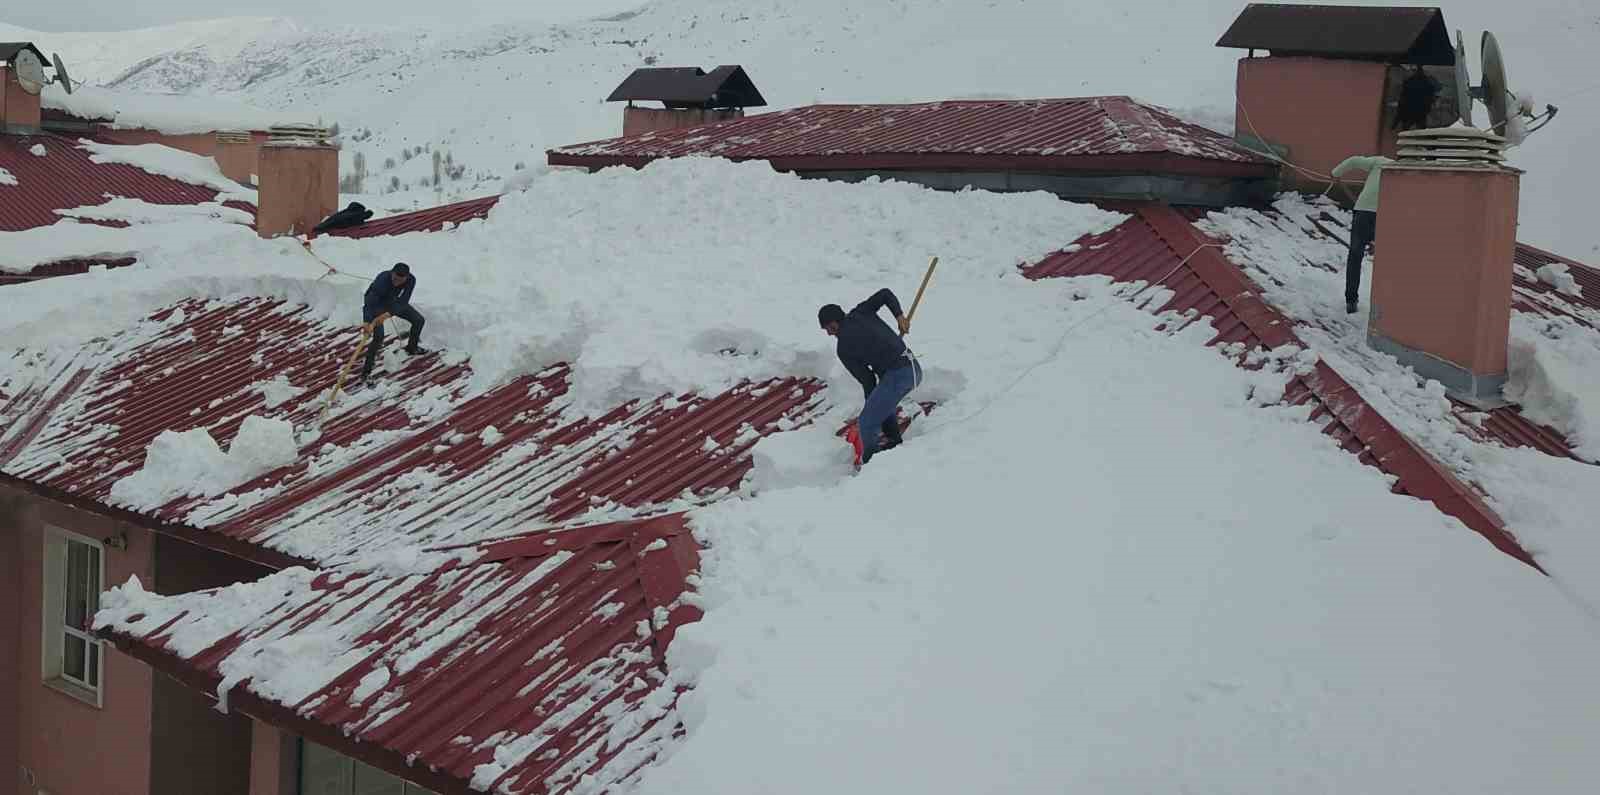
{"x": 299, "y": 187}
{"x": 17, "y": 107}
{"x": 10, "y": 641}
{"x": 73, "y": 748}
{"x": 1441, "y": 275}
{"x": 636, "y": 121}
{"x": 1324, "y": 110}
{"x": 272, "y": 761}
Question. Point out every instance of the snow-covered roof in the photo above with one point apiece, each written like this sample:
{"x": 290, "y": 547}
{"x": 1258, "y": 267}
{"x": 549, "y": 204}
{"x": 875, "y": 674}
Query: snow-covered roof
{"x": 172, "y": 114}
{"x": 1102, "y": 134}
{"x": 72, "y": 202}
{"x": 533, "y": 664}
{"x": 426, "y": 460}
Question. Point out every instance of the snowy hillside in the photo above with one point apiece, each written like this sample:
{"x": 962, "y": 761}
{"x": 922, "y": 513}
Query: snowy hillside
{"x": 495, "y": 97}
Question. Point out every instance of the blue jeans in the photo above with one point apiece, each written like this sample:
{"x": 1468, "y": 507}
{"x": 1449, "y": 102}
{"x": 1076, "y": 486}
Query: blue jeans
{"x": 880, "y": 406}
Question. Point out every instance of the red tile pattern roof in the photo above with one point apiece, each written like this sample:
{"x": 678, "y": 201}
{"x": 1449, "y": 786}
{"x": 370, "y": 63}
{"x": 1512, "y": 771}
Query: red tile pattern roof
{"x": 432, "y": 219}
{"x": 1100, "y": 133}
{"x": 65, "y": 178}
{"x": 541, "y": 660}
{"x": 414, "y": 469}
{"x": 1160, "y": 241}
{"x": 63, "y": 268}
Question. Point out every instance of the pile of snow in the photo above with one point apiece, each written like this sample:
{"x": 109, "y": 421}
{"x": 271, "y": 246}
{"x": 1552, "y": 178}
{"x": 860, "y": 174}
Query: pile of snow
{"x": 1107, "y": 583}
{"x": 139, "y": 211}
{"x": 809, "y": 457}
{"x": 1555, "y": 376}
{"x": 172, "y": 163}
{"x": 192, "y": 464}
{"x": 277, "y": 391}
{"x": 69, "y": 239}
{"x": 7, "y": 178}
{"x": 172, "y": 114}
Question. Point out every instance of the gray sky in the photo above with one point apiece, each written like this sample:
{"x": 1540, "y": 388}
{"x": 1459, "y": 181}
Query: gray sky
{"x": 100, "y": 15}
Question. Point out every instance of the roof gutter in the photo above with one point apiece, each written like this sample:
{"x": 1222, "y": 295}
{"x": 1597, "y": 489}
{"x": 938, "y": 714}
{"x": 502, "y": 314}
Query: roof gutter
{"x": 215, "y": 542}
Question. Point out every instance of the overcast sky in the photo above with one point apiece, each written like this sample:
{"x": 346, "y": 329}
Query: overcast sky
{"x": 100, "y": 15}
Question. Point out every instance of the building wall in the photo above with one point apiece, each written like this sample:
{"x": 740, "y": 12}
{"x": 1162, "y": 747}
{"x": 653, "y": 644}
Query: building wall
{"x": 238, "y": 161}
{"x": 1322, "y": 110}
{"x": 68, "y": 747}
{"x": 299, "y": 187}
{"x": 151, "y": 734}
{"x": 273, "y": 761}
{"x": 636, "y": 121}
{"x": 10, "y": 641}
{"x": 18, "y": 108}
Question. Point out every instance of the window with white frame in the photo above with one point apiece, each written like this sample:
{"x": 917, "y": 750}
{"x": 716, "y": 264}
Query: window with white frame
{"x": 73, "y": 575}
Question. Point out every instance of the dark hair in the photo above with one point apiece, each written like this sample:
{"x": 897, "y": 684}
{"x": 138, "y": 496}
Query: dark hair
{"x": 402, "y": 269}
{"x": 830, "y": 313}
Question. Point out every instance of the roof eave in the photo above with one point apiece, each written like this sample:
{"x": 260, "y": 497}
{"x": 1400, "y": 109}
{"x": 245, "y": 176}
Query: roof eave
{"x": 1132, "y": 163}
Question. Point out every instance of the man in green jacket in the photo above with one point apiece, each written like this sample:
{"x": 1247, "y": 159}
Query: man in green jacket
{"x": 1364, "y": 221}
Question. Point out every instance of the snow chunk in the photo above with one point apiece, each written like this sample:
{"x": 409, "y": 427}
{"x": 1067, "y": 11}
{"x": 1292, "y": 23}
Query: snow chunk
{"x": 1559, "y": 276}
{"x": 807, "y": 457}
{"x": 1555, "y": 375}
{"x": 38, "y": 150}
{"x": 191, "y": 464}
{"x": 7, "y": 178}
{"x": 490, "y": 436}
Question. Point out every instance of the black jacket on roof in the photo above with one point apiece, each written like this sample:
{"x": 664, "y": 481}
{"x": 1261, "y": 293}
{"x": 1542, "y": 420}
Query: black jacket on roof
{"x": 353, "y": 215}
{"x": 867, "y": 346}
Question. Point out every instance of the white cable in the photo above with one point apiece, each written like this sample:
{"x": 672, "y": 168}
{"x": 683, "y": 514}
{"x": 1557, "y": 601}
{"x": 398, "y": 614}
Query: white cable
{"x": 1061, "y": 342}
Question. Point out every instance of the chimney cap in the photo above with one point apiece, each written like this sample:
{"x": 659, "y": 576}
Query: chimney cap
{"x": 690, "y": 87}
{"x": 9, "y": 50}
{"x": 1389, "y": 34}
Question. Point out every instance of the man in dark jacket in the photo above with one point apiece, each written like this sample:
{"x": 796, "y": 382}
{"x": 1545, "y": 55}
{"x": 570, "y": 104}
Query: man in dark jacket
{"x": 878, "y": 358}
{"x": 353, "y": 215}
{"x": 390, "y": 293}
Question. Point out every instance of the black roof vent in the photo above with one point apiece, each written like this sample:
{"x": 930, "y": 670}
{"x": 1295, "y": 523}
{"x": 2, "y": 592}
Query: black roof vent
{"x": 690, "y": 87}
{"x": 1360, "y": 33}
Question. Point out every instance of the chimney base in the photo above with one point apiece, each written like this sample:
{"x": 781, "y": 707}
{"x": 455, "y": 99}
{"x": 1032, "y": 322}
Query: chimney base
{"x": 1482, "y": 392}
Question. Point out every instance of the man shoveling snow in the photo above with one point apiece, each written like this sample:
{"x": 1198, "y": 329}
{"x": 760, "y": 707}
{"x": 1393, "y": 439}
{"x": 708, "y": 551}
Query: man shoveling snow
{"x": 390, "y": 294}
{"x": 879, "y": 359}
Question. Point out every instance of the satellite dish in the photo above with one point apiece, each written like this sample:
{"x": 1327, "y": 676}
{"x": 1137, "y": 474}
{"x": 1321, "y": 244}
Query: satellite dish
{"x": 1495, "y": 93}
{"x": 61, "y": 72}
{"x": 1463, "y": 83}
{"x": 1496, "y": 96}
{"x": 30, "y": 72}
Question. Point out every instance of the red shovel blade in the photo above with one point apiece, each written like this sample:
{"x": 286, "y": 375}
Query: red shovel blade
{"x": 853, "y": 436}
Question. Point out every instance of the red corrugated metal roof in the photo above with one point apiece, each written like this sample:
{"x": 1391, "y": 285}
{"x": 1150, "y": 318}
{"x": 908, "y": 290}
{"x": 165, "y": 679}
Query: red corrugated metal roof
{"x": 412, "y": 469}
{"x": 541, "y": 660}
{"x": 65, "y": 178}
{"x": 63, "y": 268}
{"x": 432, "y": 219}
{"x": 1098, "y": 133}
{"x": 1156, "y": 241}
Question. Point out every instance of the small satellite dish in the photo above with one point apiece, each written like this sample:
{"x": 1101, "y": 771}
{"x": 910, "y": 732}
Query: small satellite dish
{"x": 61, "y": 72}
{"x": 1495, "y": 93}
{"x": 1463, "y": 83}
{"x": 1496, "y": 96}
{"x": 30, "y": 72}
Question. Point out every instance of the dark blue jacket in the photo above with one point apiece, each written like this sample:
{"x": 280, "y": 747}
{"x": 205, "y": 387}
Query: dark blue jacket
{"x": 867, "y": 345}
{"x": 383, "y": 296}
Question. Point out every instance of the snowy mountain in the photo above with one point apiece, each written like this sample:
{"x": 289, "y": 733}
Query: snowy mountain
{"x": 494, "y": 96}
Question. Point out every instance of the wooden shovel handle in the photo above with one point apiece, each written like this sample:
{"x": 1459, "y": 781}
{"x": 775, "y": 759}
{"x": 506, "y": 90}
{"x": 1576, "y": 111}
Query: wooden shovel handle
{"x": 921, "y": 289}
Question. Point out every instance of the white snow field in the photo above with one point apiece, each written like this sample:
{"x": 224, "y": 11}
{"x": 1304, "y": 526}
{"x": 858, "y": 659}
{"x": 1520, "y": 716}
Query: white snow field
{"x": 498, "y": 92}
{"x": 1127, "y": 570}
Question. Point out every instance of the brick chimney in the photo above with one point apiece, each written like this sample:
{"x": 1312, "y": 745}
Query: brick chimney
{"x": 1441, "y": 277}
{"x": 299, "y": 174}
{"x": 690, "y": 96}
{"x": 19, "y": 110}
{"x": 236, "y": 156}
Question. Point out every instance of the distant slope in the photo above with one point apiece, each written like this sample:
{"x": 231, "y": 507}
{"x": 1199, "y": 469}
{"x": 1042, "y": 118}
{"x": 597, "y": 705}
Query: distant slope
{"x": 499, "y": 95}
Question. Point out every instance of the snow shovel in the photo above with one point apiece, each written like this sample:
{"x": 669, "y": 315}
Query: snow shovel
{"x": 361, "y": 347}
{"x": 920, "y": 290}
